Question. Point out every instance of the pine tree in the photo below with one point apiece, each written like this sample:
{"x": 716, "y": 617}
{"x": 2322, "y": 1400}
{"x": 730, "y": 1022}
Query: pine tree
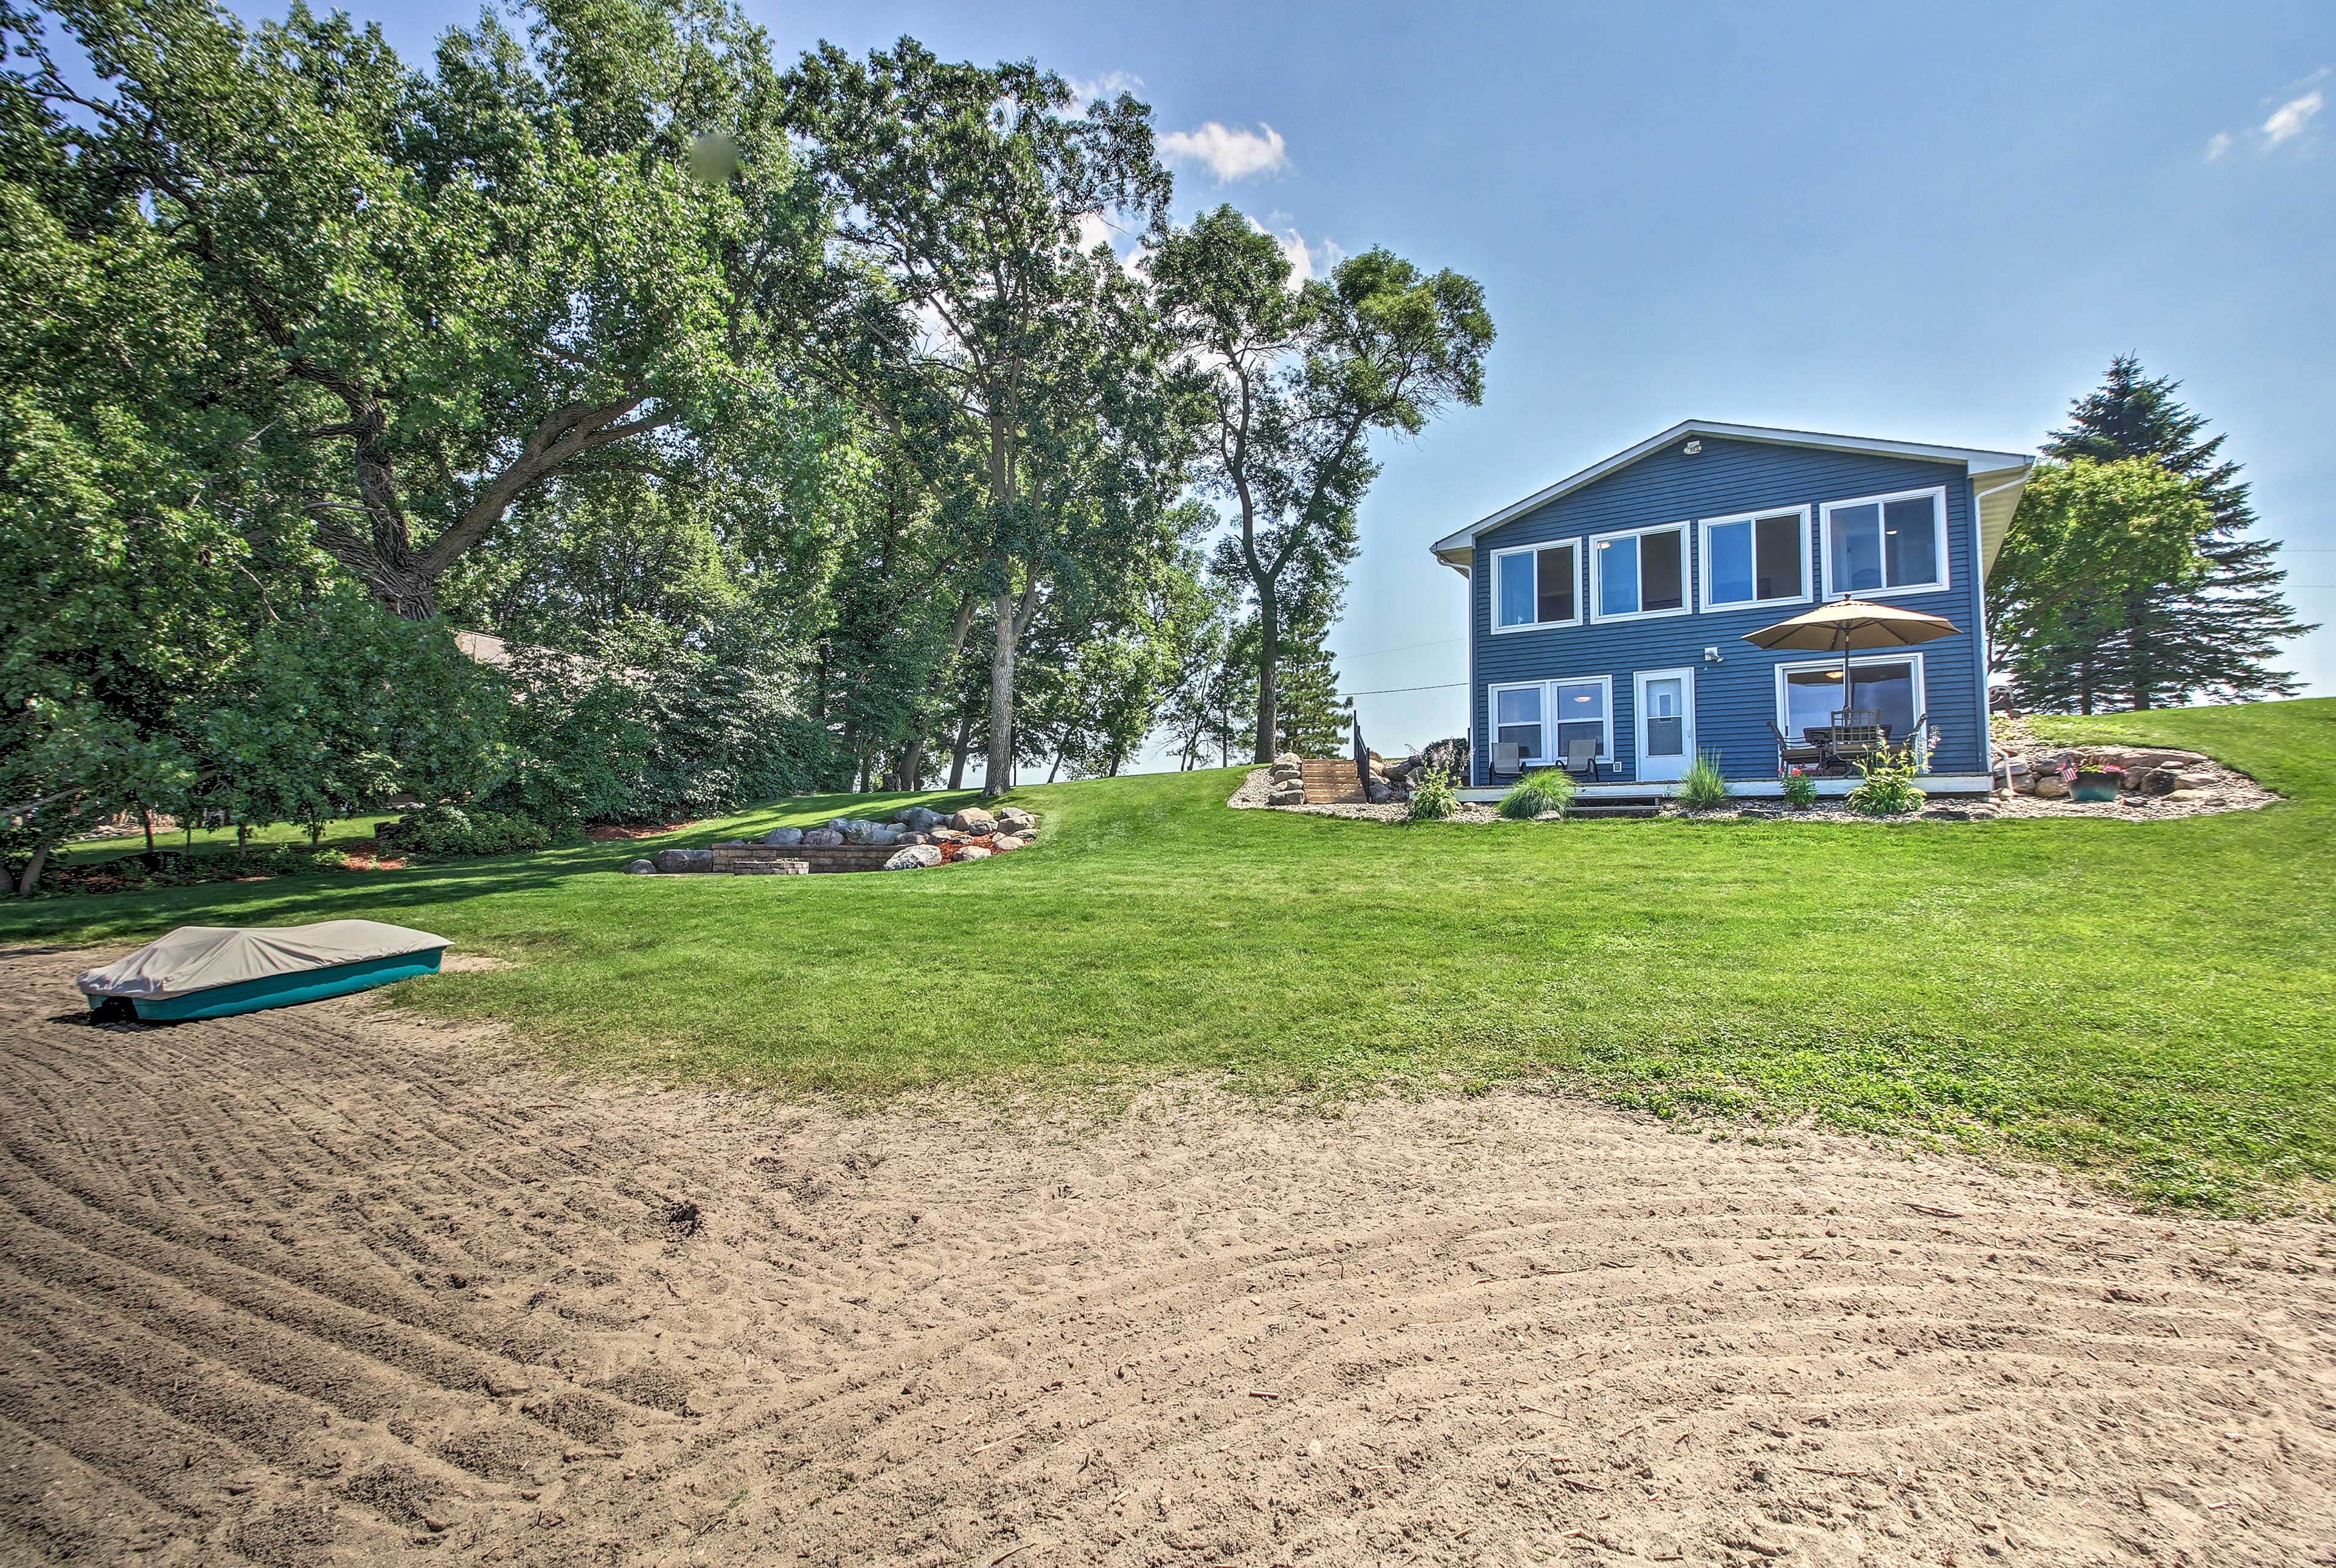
{"x": 2173, "y": 643}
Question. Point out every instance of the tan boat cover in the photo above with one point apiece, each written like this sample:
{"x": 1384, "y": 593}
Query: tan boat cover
{"x": 203, "y": 958}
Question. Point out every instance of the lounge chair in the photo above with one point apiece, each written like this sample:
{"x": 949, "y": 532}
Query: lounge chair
{"x": 1508, "y": 759}
{"x": 1581, "y": 759}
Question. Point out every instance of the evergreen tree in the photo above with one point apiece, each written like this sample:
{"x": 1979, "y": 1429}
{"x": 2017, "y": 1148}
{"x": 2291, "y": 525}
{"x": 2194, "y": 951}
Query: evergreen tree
{"x": 2219, "y": 636}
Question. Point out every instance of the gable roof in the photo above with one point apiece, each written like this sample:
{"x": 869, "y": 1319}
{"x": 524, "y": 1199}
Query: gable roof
{"x": 1998, "y": 477}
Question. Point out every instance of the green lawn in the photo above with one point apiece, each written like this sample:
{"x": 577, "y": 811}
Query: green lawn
{"x": 2153, "y": 1002}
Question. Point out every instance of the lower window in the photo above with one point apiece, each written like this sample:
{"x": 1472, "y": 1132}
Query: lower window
{"x": 1517, "y": 719}
{"x": 1887, "y": 687}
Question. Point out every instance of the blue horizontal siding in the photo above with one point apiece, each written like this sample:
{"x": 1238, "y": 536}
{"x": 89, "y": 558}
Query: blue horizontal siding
{"x": 1735, "y": 699}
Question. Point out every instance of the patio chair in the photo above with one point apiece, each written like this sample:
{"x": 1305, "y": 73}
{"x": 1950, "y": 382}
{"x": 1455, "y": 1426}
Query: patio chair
{"x": 1508, "y": 758}
{"x": 1581, "y": 759}
{"x": 1790, "y": 753}
{"x": 1858, "y": 734}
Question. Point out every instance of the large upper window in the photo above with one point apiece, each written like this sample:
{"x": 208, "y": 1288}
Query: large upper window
{"x": 1886, "y": 543}
{"x": 1761, "y": 558}
{"x": 1643, "y": 572}
{"x": 1534, "y": 587}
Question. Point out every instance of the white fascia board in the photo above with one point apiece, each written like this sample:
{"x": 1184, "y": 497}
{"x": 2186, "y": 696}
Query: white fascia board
{"x": 2000, "y": 466}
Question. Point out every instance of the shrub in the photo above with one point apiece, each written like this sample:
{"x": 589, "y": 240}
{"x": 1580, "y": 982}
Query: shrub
{"x": 1434, "y": 797}
{"x": 1548, "y": 790}
{"x": 1887, "y": 790}
{"x": 1705, "y": 787}
{"x": 1800, "y": 789}
{"x": 444, "y": 830}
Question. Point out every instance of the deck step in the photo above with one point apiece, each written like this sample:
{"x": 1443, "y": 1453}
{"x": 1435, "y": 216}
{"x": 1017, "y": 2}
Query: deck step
{"x": 1611, "y": 807}
{"x": 1331, "y": 781}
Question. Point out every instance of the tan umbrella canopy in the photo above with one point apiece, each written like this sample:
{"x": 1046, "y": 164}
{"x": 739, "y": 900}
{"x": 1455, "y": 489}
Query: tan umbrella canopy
{"x": 1847, "y": 625}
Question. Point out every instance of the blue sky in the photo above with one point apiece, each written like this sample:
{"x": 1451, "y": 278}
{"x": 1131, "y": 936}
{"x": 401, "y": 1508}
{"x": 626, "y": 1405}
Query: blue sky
{"x": 1931, "y": 223}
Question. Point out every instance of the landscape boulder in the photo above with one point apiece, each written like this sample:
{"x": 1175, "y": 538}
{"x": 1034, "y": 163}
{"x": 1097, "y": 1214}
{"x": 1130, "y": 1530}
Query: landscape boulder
{"x": 638, "y": 868}
{"x": 1286, "y": 796}
{"x": 1287, "y": 759}
{"x": 675, "y": 861}
{"x": 1015, "y": 820}
{"x": 919, "y": 819}
{"x": 913, "y": 858}
{"x": 2049, "y": 787}
{"x": 785, "y": 838}
{"x": 1378, "y": 793}
{"x": 879, "y": 834}
{"x": 1001, "y": 842}
{"x": 974, "y": 820}
{"x": 914, "y": 838}
{"x": 821, "y": 839}
{"x": 973, "y": 852}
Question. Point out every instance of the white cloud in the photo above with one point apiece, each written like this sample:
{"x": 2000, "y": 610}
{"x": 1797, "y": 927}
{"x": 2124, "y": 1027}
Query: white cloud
{"x": 1229, "y": 152}
{"x": 2288, "y": 120}
{"x": 2218, "y": 143}
{"x": 1306, "y": 262}
{"x": 1087, "y": 90}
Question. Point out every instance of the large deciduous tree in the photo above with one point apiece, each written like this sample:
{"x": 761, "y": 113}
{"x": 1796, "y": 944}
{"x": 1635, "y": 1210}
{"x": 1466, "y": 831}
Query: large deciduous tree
{"x": 2215, "y": 632}
{"x": 1296, "y": 384}
{"x": 2095, "y": 545}
{"x": 426, "y": 295}
{"x": 971, "y": 192}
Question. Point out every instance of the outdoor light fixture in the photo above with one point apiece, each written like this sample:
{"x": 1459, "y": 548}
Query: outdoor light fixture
{"x": 1692, "y": 447}
{"x": 1711, "y": 655}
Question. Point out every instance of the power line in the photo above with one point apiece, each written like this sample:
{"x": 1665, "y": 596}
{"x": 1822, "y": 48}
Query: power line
{"x": 1390, "y": 691}
{"x": 1406, "y": 648}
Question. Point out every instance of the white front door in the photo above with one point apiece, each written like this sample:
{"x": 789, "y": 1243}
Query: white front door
{"x": 1666, "y": 722}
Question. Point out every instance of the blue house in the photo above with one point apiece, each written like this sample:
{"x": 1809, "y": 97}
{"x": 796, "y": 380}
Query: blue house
{"x": 1611, "y": 608}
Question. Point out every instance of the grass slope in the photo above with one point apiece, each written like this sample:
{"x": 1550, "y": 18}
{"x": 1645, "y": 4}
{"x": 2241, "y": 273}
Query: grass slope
{"x": 2153, "y": 1002}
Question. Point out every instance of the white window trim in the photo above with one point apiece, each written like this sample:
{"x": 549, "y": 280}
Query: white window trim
{"x": 1707, "y": 604}
{"x": 1549, "y": 721}
{"x": 1493, "y": 718}
{"x": 1606, "y": 717}
{"x": 1885, "y": 656}
{"x": 1938, "y": 493}
{"x": 1534, "y": 549}
{"x": 1687, "y": 577}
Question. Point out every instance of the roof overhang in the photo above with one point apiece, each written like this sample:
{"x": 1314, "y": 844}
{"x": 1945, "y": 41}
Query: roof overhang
{"x": 1997, "y": 478}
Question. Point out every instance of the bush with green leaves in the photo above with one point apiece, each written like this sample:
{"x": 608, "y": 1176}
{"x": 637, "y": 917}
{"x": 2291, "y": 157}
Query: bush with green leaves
{"x": 1800, "y": 789}
{"x": 448, "y": 830}
{"x": 1434, "y": 796}
{"x": 1887, "y": 790}
{"x": 1705, "y": 787}
{"x": 1547, "y": 790}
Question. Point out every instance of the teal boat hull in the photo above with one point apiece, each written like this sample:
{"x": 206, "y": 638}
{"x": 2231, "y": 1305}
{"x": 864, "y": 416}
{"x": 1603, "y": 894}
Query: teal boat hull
{"x": 282, "y": 990}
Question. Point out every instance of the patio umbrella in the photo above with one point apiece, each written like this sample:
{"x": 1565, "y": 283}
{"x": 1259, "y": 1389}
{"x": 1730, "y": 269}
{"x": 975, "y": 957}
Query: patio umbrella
{"x": 1847, "y": 625}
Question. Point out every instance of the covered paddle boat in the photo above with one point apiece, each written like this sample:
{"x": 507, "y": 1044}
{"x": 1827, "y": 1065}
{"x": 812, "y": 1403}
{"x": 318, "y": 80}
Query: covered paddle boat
{"x": 218, "y": 971}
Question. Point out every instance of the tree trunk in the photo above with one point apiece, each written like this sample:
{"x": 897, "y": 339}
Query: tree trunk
{"x": 1001, "y": 769}
{"x": 958, "y": 753}
{"x": 147, "y": 822}
{"x": 32, "y": 878}
{"x": 1055, "y": 772}
{"x": 1269, "y": 653}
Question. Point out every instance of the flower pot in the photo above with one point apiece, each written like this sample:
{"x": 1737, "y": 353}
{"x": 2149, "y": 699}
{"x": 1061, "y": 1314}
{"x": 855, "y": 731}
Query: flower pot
{"x": 2100, "y": 788}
